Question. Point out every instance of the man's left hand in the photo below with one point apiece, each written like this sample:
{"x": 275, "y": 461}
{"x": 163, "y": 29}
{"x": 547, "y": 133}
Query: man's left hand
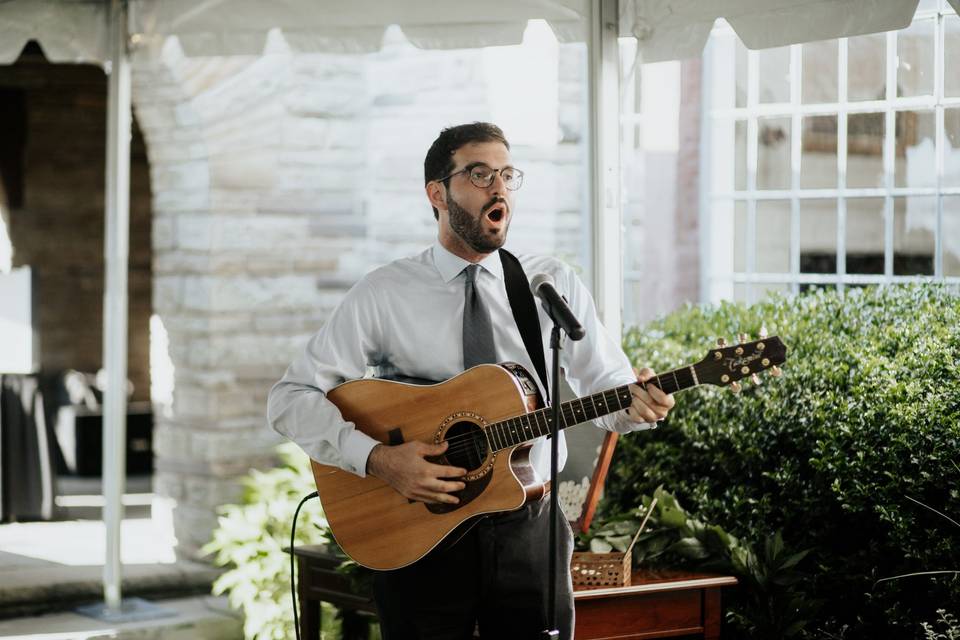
{"x": 650, "y": 404}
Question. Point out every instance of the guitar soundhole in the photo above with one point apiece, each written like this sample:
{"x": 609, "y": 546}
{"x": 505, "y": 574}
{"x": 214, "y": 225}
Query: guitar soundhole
{"x": 468, "y": 445}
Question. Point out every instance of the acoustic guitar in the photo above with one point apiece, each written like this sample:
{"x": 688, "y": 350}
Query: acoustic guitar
{"x": 489, "y": 415}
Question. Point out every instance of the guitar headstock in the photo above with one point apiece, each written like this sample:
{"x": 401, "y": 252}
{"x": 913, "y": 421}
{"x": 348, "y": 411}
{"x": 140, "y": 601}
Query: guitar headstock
{"x": 727, "y": 365}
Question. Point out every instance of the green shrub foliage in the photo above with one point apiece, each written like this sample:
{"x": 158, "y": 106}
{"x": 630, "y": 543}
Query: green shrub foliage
{"x": 251, "y": 538}
{"x": 865, "y": 419}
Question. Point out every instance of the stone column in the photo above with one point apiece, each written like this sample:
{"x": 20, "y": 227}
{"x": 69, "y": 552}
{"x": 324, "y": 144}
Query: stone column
{"x": 253, "y": 166}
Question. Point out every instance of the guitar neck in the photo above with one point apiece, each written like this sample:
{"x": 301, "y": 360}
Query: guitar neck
{"x": 536, "y": 424}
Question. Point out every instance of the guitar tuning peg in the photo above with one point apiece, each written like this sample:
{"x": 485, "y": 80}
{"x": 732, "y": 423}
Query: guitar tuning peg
{"x": 775, "y": 371}
{"x": 755, "y": 378}
{"x": 763, "y": 332}
{"x": 721, "y": 342}
{"x": 743, "y": 337}
{"x": 735, "y": 387}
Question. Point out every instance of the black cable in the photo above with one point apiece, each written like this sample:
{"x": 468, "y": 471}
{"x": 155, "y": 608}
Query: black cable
{"x": 293, "y": 581}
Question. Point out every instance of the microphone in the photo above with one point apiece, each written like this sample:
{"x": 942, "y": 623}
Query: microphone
{"x": 556, "y": 306}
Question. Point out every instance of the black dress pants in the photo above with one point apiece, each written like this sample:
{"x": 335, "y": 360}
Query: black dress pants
{"x": 495, "y": 577}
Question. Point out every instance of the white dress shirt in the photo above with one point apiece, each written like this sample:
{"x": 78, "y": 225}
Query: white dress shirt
{"x": 407, "y": 318}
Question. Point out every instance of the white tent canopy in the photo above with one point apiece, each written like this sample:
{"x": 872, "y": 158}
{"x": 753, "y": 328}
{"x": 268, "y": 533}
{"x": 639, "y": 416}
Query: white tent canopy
{"x": 76, "y": 30}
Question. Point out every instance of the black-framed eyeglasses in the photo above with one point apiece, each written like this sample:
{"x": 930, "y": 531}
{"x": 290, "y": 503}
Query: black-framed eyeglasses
{"x": 482, "y": 176}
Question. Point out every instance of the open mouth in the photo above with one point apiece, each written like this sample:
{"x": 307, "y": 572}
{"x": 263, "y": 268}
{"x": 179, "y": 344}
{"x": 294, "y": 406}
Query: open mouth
{"x": 496, "y": 213}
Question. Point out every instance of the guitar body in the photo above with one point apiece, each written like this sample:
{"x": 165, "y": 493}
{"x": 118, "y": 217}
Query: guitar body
{"x": 381, "y": 529}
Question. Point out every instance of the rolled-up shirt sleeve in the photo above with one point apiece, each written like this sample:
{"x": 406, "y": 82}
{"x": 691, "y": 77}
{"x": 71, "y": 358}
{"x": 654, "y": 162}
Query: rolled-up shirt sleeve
{"x": 297, "y": 406}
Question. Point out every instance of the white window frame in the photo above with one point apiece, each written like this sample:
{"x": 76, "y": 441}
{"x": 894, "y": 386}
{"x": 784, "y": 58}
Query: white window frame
{"x": 719, "y": 278}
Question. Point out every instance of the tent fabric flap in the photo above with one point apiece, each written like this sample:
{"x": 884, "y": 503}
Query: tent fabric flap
{"x": 672, "y": 29}
{"x": 241, "y": 27}
{"x": 68, "y": 32}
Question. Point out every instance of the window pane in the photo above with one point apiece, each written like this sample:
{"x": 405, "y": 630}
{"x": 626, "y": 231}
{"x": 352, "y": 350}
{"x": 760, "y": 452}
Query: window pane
{"x": 818, "y": 161}
{"x": 741, "y": 74}
{"x": 818, "y": 236}
{"x": 820, "y": 72}
{"x": 865, "y": 149}
{"x": 773, "y": 153}
{"x": 914, "y": 227}
{"x": 951, "y": 51}
{"x": 740, "y": 237}
{"x": 773, "y": 236}
{"x": 951, "y": 152}
{"x": 864, "y": 237}
{"x": 774, "y": 65}
{"x": 740, "y": 161}
{"x": 915, "y": 160}
{"x": 915, "y": 55}
{"x": 866, "y": 67}
{"x": 951, "y": 235}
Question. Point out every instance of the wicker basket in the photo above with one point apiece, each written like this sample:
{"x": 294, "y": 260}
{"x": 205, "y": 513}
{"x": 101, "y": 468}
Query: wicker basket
{"x": 590, "y": 569}
{"x": 600, "y": 569}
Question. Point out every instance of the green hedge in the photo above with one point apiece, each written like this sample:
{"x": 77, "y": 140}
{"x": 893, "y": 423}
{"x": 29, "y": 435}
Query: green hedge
{"x": 865, "y": 421}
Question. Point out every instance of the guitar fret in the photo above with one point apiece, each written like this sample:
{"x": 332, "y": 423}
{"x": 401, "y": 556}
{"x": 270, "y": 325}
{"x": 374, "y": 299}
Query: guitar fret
{"x": 528, "y": 427}
{"x": 542, "y": 415}
{"x": 494, "y": 435}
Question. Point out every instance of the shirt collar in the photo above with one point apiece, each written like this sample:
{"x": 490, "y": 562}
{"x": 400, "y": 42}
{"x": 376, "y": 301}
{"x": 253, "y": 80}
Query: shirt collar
{"x": 450, "y": 265}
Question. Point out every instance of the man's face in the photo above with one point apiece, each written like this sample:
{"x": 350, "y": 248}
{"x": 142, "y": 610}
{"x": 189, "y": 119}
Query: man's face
{"x": 478, "y": 217}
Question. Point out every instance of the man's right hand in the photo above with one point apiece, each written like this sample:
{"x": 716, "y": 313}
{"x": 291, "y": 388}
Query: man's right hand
{"x": 405, "y": 468}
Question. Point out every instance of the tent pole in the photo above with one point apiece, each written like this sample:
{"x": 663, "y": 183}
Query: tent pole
{"x": 117, "y": 249}
{"x": 604, "y": 132}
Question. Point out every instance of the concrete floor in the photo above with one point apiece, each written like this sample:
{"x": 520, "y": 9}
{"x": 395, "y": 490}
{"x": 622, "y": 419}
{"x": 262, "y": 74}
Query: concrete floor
{"x": 47, "y": 569}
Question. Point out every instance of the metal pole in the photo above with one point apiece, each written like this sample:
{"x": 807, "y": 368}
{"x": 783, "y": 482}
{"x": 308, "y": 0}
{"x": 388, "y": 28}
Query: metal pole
{"x": 604, "y": 80}
{"x": 116, "y": 254}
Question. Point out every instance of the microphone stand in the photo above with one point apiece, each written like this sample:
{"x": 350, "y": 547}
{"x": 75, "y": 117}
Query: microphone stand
{"x": 552, "y": 633}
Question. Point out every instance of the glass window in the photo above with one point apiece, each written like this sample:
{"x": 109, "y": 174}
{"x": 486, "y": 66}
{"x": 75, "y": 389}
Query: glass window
{"x": 915, "y": 158}
{"x": 951, "y": 51}
{"x": 818, "y": 235}
{"x": 740, "y": 236}
{"x": 951, "y": 149}
{"x": 773, "y": 236}
{"x": 951, "y": 236}
{"x": 914, "y": 231}
{"x": 818, "y": 157}
{"x": 774, "y": 66}
{"x": 866, "y": 67}
{"x": 819, "y": 72}
{"x": 773, "y": 153}
{"x": 864, "y": 238}
{"x": 865, "y": 149}
{"x": 740, "y": 155}
{"x": 915, "y": 53}
{"x": 870, "y": 159}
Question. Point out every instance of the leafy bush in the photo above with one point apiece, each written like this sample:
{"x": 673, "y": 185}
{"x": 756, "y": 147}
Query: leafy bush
{"x": 251, "y": 538}
{"x": 769, "y": 606}
{"x": 866, "y": 416}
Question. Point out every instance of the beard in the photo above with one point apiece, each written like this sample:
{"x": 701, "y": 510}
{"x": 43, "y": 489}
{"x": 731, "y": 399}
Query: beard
{"x": 470, "y": 228}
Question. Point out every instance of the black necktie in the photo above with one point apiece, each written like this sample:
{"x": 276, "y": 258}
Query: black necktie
{"x": 477, "y": 329}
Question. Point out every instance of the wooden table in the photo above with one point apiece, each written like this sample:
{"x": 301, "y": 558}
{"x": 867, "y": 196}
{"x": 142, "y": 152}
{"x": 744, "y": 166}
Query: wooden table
{"x": 657, "y": 605}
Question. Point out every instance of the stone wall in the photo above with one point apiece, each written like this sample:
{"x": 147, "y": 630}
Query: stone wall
{"x": 53, "y": 147}
{"x": 279, "y": 180}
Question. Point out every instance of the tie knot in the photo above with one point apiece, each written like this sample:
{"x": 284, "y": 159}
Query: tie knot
{"x": 472, "y": 271}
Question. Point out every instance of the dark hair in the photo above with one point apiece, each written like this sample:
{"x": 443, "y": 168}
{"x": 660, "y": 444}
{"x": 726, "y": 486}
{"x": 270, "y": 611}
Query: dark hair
{"x": 439, "y": 160}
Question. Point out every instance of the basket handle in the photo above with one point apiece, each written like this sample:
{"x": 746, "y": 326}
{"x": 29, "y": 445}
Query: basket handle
{"x": 643, "y": 525}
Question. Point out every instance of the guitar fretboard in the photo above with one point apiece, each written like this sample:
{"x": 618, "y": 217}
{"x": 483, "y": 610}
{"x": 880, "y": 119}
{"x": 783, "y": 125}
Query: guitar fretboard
{"x": 536, "y": 424}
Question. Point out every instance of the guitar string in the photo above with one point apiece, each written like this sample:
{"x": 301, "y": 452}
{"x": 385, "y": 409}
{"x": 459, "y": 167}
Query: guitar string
{"x": 468, "y": 441}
